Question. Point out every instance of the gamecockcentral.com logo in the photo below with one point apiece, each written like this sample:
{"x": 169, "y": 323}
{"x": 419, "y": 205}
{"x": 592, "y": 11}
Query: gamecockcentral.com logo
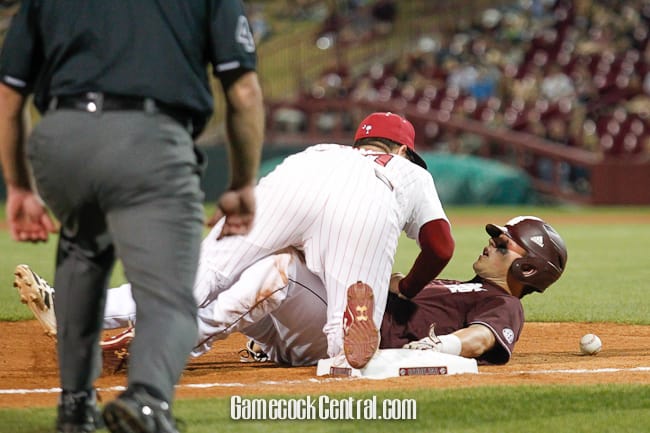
{"x": 322, "y": 408}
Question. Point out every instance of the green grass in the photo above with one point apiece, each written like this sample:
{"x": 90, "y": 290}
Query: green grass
{"x": 608, "y": 271}
{"x": 607, "y": 277}
{"x": 524, "y": 409}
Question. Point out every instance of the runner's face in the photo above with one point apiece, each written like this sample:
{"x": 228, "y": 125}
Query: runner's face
{"x": 497, "y": 257}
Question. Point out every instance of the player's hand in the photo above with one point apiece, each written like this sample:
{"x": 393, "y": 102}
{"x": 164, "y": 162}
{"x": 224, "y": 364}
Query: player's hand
{"x": 430, "y": 342}
{"x": 238, "y": 208}
{"x": 393, "y": 287}
{"x": 28, "y": 218}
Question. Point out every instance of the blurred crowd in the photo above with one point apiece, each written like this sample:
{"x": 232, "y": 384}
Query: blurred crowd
{"x": 354, "y": 21}
{"x": 574, "y": 72}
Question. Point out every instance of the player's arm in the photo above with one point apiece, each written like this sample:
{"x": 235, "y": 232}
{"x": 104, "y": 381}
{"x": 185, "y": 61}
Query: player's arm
{"x": 245, "y": 127}
{"x": 233, "y": 55}
{"x": 437, "y": 247}
{"x": 470, "y": 342}
{"x": 14, "y": 166}
{"x": 27, "y": 217}
{"x": 475, "y": 340}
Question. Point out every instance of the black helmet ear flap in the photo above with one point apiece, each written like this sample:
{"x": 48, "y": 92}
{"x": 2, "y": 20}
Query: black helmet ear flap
{"x": 535, "y": 272}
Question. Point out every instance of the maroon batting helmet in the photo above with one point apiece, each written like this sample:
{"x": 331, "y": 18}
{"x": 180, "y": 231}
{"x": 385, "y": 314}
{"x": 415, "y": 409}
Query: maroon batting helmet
{"x": 546, "y": 252}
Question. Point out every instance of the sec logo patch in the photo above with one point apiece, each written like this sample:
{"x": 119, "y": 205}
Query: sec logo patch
{"x": 508, "y": 335}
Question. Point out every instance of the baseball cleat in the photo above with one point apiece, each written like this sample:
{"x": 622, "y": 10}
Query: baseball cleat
{"x": 115, "y": 351}
{"x": 360, "y": 335}
{"x": 38, "y": 296}
{"x": 252, "y": 353}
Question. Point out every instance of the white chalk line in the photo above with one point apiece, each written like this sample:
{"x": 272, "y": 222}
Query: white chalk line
{"x": 570, "y": 371}
{"x": 186, "y": 386}
{"x": 330, "y": 379}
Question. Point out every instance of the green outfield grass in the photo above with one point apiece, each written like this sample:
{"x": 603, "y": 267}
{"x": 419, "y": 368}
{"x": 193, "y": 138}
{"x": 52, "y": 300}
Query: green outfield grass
{"x": 608, "y": 271}
{"x": 607, "y": 277}
{"x": 525, "y": 409}
{"x": 607, "y": 280}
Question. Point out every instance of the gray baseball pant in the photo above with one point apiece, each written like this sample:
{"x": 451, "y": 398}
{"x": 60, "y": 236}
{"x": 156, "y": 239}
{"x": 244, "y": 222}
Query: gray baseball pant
{"x": 125, "y": 185}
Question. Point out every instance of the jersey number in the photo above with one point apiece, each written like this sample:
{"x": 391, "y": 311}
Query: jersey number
{"x": 383, "y": 159}
{"x": 244, "y": 35}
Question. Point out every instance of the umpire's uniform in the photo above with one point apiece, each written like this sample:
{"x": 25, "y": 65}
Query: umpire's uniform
{"x": 123, "y": 86}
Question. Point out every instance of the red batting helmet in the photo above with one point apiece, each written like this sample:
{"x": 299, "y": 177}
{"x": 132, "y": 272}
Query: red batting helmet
{"x": 546, "y": 252}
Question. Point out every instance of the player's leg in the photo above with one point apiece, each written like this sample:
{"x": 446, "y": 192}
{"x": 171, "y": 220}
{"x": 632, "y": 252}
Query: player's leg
{"x": 38, "y": 295}
{"x": 83, "y": 245}
{"x": 79, "y": 298}
{"x": 161, "y": 288}
{"x": 59, "y": 150}
{"x": 260, "y": 289}
{"x": 155, "y": 217}
{"x": 120, "y": 307}
{"x": 286, "y": 207}
{"x": 293, "y": 334}
{"x": 363, "y": 250}
{"x": 35, "y": 291}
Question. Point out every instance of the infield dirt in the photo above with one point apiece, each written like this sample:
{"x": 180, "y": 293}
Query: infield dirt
{"x": 547, "y": 353}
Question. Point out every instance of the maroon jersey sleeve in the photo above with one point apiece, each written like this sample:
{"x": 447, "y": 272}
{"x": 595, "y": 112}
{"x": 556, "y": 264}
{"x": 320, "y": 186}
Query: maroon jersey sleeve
{"x": 453, "y": 305}
{"x": 503, "y": 314}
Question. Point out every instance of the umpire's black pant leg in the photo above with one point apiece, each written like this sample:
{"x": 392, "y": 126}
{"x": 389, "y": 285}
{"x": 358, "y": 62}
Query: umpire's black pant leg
{"x": 85, "y": 259}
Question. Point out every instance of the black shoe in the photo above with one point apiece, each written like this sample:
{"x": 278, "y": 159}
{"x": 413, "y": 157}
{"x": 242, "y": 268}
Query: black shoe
{"x": 78, "y": 412}
{"x": 136, "y": 411}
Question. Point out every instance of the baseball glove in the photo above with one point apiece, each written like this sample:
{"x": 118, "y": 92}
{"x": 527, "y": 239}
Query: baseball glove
{"x": 430, "y": 342}
{"x": 115, "y": 351}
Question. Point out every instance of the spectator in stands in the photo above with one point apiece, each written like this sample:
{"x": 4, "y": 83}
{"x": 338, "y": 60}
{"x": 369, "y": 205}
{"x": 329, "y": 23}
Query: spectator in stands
{"x": 486, "y": 84}
{"x": 526, "y": 88}
{"x": 384, "y": 15}
{"x": 529, "y": 57}
{"x": 333, "y": 83}
{"x": 300, "y": 9}
{"x": 556, "y": 85}
{"x": 259, "y": 24}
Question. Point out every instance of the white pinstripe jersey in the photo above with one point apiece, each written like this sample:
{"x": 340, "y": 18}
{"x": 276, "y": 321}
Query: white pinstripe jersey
{"x": 413, "y": 188}
{"x": 344, "y": 208}
{"x": 338, "y": 185}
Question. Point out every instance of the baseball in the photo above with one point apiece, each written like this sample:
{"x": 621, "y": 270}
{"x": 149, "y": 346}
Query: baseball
{"x": 590, "y": 344}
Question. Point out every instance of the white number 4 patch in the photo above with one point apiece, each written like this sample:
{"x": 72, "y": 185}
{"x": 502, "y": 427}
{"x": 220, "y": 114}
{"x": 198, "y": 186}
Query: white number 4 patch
{"x": 244, "y": 35}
